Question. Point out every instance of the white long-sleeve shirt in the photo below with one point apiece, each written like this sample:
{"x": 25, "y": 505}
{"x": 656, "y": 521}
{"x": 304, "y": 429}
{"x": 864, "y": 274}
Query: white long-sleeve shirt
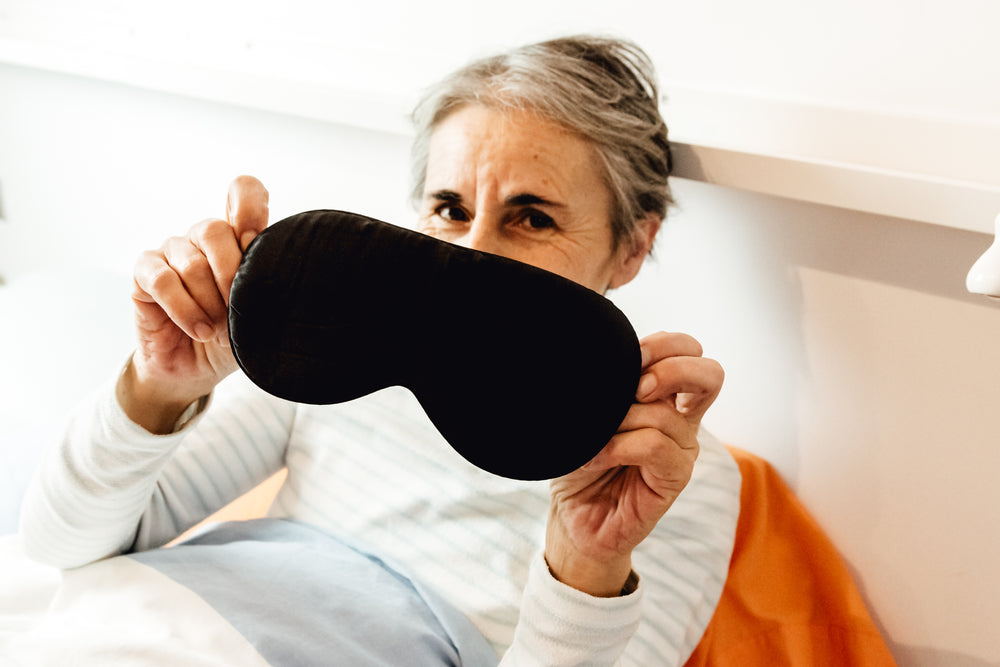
{"x": 376, "y": 469}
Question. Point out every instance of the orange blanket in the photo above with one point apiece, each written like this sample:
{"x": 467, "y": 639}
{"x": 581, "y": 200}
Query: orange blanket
{"x": 789, "y": 598}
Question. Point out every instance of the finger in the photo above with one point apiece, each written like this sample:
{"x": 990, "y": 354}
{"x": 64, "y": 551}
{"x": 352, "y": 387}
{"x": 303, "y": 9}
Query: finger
{"x": 677, "y": 375}
{"x": 663, "y": 344}
{"x": 156, "y": 282}
{"x": 216, "y": 240}
{"x": 247, "y": 208}
{"x": 693, "y": 383}
{"x": 662, "y": 460}
{"x": 662, "y": 417}
{"x": 195, "y": 272}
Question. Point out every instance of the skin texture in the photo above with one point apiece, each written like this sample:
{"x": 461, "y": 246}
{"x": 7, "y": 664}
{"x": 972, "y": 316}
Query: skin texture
{"x": 180, "y": 295}
{"x": 512, "y": 184}
{"x": 520, "y": 186}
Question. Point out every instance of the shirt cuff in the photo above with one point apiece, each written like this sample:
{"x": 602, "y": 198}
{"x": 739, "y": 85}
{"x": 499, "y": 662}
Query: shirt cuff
{"x": 191, "y": 413}
{"x": 561, "y": 625}
{"x": 115, "y": 415}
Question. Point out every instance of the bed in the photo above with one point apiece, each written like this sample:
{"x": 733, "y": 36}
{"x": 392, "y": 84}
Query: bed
{"x": 789, "y": 598}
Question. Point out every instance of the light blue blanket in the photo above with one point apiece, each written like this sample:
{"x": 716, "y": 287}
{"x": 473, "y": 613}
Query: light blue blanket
{"x": 261, "y": 592}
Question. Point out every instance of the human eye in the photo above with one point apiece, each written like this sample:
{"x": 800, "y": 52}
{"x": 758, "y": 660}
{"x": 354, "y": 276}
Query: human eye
{"x": 451, "y": 213}
{"x": 536, "y": 220}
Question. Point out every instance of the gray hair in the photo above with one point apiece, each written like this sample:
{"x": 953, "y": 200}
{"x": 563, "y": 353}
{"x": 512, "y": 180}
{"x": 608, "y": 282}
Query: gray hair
{"x": 602, "y": 89}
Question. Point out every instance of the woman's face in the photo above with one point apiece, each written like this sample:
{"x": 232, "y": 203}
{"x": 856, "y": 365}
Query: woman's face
{"x": 517, "y": 185}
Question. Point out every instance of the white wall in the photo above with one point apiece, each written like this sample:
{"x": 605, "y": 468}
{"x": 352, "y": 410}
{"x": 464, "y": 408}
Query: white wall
{"x": 920, "y": 56}
{"x": 90, "y": 172}
{"x": 855, "y": 360}
{"x": 857, "y": 364}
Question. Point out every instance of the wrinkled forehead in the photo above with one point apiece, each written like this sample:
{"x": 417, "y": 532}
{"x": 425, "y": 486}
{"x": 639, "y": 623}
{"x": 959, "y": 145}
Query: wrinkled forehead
{"x": 515, "y": 150}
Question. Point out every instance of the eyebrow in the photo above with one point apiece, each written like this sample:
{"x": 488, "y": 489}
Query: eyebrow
{"x": 521, "y": 199}
{"x": 528, "y": 199}
{"x": 449, "y": 196}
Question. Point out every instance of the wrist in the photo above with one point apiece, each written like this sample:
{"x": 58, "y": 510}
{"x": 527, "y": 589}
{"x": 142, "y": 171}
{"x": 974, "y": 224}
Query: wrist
{"x": 150, "y": 403}
{"x": 597, "y": 577}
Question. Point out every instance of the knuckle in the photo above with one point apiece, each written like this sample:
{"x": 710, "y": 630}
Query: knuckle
{"x": 675, "y": 343}
{"x": 146, "y": 259}
{"x": 697, "y": 347}
{"x": 716, "y": 371}
{"x": 159, "y": 279}
{"x": 212, "y": 229}
{"x": 148, "y": 265}
{"x": 192, "y": 266}
{"x": 653, "y": 438}
{"x": 688, "y": 343}
{"x": 145, "y": 267}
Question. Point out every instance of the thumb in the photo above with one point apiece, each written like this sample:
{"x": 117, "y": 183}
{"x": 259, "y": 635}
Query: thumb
{"x": 247, "y": 208}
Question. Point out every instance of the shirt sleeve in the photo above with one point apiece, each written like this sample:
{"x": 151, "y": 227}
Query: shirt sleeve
{"x": 682, "y": 565}
{"x": 108, "y": 486}
{"x": 560, "y": 625}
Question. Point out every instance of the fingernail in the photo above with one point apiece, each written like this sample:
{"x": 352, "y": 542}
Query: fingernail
{"x": 647, "y": 383}
{"x": 645, "y": 356}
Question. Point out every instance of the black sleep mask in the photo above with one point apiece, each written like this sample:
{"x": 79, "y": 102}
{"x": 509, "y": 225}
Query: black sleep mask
{"x": 525, "y": 373}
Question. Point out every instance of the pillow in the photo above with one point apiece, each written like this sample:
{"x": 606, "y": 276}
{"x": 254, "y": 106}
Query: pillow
{"x": 66, "y": 332}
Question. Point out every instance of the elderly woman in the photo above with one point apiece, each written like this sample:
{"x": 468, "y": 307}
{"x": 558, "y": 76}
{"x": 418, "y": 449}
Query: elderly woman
{"x": 555, "y": 155}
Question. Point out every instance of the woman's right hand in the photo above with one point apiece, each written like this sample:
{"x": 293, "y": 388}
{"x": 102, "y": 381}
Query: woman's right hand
{"x": 181, "y": 300}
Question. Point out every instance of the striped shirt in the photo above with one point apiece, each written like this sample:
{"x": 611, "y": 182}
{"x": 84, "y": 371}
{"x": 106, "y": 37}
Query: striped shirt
{"x": 377, "y": 470}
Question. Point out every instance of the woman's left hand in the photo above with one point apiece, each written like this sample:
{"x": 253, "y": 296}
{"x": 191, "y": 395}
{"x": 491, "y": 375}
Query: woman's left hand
{"x": 602, "y": 511}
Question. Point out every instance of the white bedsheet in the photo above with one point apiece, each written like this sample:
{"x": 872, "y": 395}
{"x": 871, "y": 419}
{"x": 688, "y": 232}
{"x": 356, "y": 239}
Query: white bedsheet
{"x": 96, "y": 616}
